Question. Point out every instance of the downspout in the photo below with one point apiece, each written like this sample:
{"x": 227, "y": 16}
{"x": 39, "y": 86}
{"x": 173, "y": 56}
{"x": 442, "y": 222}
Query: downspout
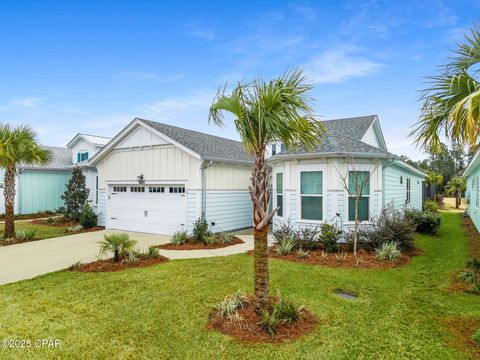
{"x": 205, "y": 166}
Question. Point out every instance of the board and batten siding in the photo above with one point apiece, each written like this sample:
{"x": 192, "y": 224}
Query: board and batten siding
{"x": 395, "y": 187}
{"x": 228, "y": 177}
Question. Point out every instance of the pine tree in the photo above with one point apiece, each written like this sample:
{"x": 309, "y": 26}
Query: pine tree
{"x": 75, "y": 196}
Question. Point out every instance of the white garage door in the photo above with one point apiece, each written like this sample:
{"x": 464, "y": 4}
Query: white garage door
{"x": 157, "y": 209}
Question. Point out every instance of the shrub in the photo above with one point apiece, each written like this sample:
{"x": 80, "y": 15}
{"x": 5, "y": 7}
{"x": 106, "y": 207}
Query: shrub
{"x": 179, "y": 238}
{"x": 75, "y": 267}
{"x": 76, "y": 228}
{"x": 223, "y": 237}
{"x": 119, "y": 244}
{"x": 287, "y": 310}
{"x": 231, "y": 303}
{"x": 88, "y": 219}
{"x": 284, "y": 232}
{"x": 431, "y": 206}
{"x": 388, "y": 251}
{"x": 476, "y": 337}
{"x": 329, "y": 235}
{"x": 307, "y": 237}
{"x": 303, "y": 254}
{"x": 26, "y": 234}
{"x": 428, "y": 223}
{"x": 269, "y": 321}
{"x": 285, "y": 246}
{"x": 200, "y": 230}
{"x": 75, "y": 195}
{"x": 152, "y": 252}
{"x": 471, "y": 275}
{"x": 208, "y": 239}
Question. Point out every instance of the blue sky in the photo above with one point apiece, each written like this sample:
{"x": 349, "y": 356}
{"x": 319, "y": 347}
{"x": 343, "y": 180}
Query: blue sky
{"x": 92, "y": 66}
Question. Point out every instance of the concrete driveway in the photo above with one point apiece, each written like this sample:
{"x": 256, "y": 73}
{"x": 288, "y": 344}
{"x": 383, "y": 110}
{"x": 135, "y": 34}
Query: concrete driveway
{"x": 27, "y": 260}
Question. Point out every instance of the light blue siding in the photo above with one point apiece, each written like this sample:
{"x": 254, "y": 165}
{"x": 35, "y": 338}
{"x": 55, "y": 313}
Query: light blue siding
{"x": 473, "y": 196}
{"x": 41, "y": 190}
{"x": 229, "y": 210}
{"x": 192, "y": 215}
{"x": 395, "y": 192}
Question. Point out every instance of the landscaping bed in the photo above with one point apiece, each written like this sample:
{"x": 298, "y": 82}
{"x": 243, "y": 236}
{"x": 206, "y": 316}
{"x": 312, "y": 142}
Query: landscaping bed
{"x": 461, "y": 329}
{"x": 44, "y": 214}
{"x": 197, "y": 245}
{"x": 109, "y": 265}
{"x": 364, "y": 259}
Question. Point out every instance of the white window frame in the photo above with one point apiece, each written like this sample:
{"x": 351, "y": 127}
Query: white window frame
{"x": 282, "y": 194}
{"x": 306, "y": 168}
{"x": 373, "y": 178}
{"x": 408, "y": 184}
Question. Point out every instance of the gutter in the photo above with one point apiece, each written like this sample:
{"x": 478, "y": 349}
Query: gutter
{"x": 205, "y": 165}
{"x": 330, "y": 155}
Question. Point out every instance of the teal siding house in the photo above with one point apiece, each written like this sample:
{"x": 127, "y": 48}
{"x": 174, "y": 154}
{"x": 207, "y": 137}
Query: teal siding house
{"x": 39, "y": 188}
{"x": 472, "y": 194}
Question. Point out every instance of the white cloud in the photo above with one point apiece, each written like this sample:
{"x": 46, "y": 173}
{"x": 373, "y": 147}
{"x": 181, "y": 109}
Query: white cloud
{"x": 139, "y": 75}
{"x": 338, "y": 65}
{"x": 28, "y": 102}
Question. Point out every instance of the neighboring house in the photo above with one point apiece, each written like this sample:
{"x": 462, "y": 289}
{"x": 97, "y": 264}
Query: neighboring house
{"x": 83, "y": 147}
{"x": 308, "y": 186}
{"x": 472, "y": 194}
{"x": 38, "y": 188}
{"x": 159, "y": 178}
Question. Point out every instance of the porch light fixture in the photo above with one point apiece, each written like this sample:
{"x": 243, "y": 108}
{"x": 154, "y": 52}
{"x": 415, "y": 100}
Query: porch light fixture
{"x": 140, "y": 179}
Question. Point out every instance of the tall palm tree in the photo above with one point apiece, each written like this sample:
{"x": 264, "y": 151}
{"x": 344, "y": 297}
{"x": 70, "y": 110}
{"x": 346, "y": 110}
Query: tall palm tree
{"x": 266, "y": 112}
{"x": 18, "y": 146}
{"x": 451, "y": 104}
{"x": 455, "y": 187}
{"x": 434, "y": 179}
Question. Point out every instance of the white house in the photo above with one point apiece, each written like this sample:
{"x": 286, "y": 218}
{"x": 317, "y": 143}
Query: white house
{"x": 82, "y": 148}
{"x": 159, "y": 178}
{"x": 308, "y": 186}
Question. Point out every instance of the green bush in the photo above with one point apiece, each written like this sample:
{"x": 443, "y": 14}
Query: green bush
{"x": 431, "y": 206}
{"x": 223, "y": 237}
{"x": 88, "y": 219}
{"x": 26, "y": 234}
{"x": 231, "y": 303}
{"x": 208, "y": 239}
{"x": 476, "y": 337}
{"x": 302, "y": 253}
{"x": 285, "y": 246}
{"x": 284, "y": 232}
{"x": 200, "y": 230}
{"x": 428, "y": 223}
{"x": 329, "y": 235}
{"x": 119, "y": 244}
{"x": 269, "y": 321}
{"x": 471, "y": 275}
{"x": 179, "y": 238}
{"x": 388, "y": 251}
{"x": 307, "y": 237}
{"x": 287, "y": 310}
{"x": 152, "y": 252}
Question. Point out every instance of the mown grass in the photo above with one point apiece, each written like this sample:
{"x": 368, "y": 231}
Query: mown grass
{"x": 42, "y": 231}
{"x": 162, "y": 311}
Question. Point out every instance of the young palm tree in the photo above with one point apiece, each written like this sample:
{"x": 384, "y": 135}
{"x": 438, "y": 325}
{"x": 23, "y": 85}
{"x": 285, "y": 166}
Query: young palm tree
{"x": 455, "y": 187}
{"x": 267, "y": 112}
{"x": 18, "y": 146}
{"x": 451, "y": 105}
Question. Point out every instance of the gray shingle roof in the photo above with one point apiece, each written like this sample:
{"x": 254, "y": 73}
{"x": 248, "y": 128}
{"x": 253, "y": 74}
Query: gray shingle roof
{"x": 344, "y": 136}
{"x": 209, "y": 147}
{"x": 61, "y": 159}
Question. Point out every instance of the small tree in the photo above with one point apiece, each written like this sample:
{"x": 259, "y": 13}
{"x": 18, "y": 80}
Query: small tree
{"x": 433, "y": 180}
{"x": 356, "y": 182}
{"x": 455, "y": 187}
{"x": 75, "y": 196}
{"x": 88, "y": 218}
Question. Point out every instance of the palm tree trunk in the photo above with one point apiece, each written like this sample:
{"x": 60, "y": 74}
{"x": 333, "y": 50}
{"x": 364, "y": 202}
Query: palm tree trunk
{"x": 260, "y": 198}
{"x": 9, "y": 194}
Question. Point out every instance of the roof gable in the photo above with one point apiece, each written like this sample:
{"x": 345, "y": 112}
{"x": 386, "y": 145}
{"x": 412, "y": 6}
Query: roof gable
{"x": 94, "y": 140}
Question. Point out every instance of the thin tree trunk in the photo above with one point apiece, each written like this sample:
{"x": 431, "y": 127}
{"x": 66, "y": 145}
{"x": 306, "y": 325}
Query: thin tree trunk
{"x": 260, "y": 197}
{"x": 355, "y": 238}
{"x": 9, "y": 194}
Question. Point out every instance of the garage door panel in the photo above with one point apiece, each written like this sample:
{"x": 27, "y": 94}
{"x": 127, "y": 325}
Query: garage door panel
{"x": 161, "y": 213}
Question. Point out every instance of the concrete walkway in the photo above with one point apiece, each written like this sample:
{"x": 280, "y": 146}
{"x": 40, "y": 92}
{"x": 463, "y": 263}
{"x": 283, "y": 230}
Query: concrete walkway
{"x": 27, "y": 260}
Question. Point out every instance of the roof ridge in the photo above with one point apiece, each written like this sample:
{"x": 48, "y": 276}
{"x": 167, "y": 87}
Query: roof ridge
{"x": 352, "y": 118}
{"x": 100, "y": 136}
{"x": 358, "y": 141}
{"x": 194, "y": 131}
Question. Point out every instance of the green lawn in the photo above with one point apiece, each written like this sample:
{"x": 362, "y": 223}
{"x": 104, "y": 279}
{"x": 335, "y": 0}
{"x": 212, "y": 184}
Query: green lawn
{"x": 161, "y": 311}
{"x": 42, "y": 231}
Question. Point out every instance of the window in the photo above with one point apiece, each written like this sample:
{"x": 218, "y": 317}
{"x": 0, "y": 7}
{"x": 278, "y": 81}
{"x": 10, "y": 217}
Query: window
{"x": 408, "y": 191}
{"x": 82, "y": 156}
{"x": 177, "y": 189}
{"x": 137, "y": 189}
{"x": 477, "y": 192}
{"x": 359, "y": 181}
{"x": 156, "y": 189}
{"x": 311, "y": 195}
{"x": 274, "y": 149}
{"x": 119, "y": 189}
{"x": 279, "y": 193}
{"x": 282, "y": 147}
{"x": 401, "y": 179}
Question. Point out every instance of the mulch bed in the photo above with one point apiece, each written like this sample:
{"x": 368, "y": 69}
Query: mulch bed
{"x": 109, "y": 266}
{"x": 461, "y": 330}
{"x": 57, "y": 222}
{"x": 30, "y": 216}
{"x": 363, "y": 260}
{"x": 196, "y": 245}
{"x": 474, "y": 239}
{"x": 248, "y": 330}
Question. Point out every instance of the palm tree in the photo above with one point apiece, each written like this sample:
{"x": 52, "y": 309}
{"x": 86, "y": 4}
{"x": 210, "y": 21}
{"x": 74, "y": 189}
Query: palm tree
{"x": 266, "y": 112}
{"x": 18, "y": 146}
{"x": 119, "y": 244}
{"x": 434, "y": 179}
{"x": 451, "y": 104}
{"x": 455, "y": 187}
